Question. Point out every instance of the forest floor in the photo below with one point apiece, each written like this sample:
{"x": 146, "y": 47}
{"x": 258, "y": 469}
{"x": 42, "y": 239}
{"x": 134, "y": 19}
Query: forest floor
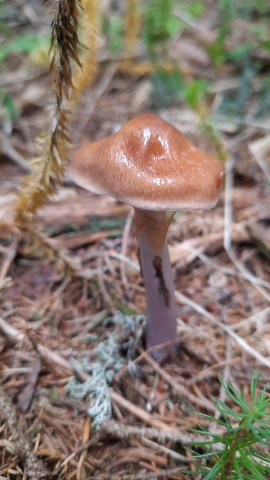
{"x": 72, "y": 303}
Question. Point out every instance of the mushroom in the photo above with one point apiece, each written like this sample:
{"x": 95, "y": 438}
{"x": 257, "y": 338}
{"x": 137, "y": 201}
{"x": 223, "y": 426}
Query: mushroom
{"x": 150, "y": 165}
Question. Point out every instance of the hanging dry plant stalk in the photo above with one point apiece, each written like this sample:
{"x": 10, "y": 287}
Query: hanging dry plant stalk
{"x": 131, "y": 35}
{"x": 132, "y": 26}
{"x": 90, "y": 43}
{"x": 64, "y": 45}
{"x": 48, "y": 168}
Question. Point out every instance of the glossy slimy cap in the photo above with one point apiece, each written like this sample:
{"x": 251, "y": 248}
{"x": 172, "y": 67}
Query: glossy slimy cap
{"x": 150, "y": 165}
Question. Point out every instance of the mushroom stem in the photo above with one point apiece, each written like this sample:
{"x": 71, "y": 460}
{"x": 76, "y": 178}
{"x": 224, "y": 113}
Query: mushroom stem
{"x": 156, "y": 271}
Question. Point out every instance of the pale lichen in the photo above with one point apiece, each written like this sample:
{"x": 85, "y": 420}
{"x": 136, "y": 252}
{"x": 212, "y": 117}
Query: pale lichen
{"x": 113, "y": 353}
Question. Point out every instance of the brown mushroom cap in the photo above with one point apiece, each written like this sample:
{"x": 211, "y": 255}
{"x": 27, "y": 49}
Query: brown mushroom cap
{"x": 150, "y": 165}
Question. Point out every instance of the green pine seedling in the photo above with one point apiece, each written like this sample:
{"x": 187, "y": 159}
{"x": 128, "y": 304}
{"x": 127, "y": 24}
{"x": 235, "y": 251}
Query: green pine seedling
{"x": 241, "y": 452}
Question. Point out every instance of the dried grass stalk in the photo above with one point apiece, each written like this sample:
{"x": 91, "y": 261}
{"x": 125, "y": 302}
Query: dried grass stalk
{"x": 132, "y": 26}
{"x": 91, "y": 26}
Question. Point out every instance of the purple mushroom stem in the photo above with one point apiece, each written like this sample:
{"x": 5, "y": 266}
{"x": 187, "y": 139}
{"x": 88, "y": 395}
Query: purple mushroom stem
{"x": 156, "y": 271}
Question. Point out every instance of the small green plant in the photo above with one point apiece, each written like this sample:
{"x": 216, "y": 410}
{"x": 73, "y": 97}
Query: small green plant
{"x": 159, "y": 25}
{"x": 217, "y": 50}
{"x": 241, "y": 450}
{"x": 24, "y": 43}
{"x": 168, "y": 87}
{"x": 195, "y": 92}
{"x": 8, "y": 104}
{"x": 113, "y": 28}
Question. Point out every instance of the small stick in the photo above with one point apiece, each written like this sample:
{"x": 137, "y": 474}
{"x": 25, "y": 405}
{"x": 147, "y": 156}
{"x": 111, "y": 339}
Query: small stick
{"x": 10, "y": 255}
{"x": 140, "y": 413}
{"x": 207, "y": 372}
{"x": 125, "y": 238}
{"x": 259, "y": 149}
{"x": 86, "y": 434}
{"x": 44, "y": 352}
{"x": 228, "y": 220}
{"x": 25, "y": 397}
{"x": 167, "y": 451}
{"x": 105, "y": 295}
{"x": 179, "y": 389}
{"x": 115, "y": 255}
{"x": 227, "y": 270}
{"x": 8, "y": 150}
{"x": 202, "y": 311}
{"x": 185, "y": 252}
{"x": 124, "y": 431}
{"x": 259, "y": 317}
{"x": 161, "y": 475}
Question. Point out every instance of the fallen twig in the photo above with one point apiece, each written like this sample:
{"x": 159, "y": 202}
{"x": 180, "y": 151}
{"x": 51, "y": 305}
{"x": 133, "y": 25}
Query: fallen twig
{"x": 44, "y": 352}
{"x": 124, "y": 246}
{"x": 259, "y": 149}
{"x": 228, "y": 222}
{"x": 10, "y": 253}
{"x": 26, "y": 395}
{"x": 8, "y": 150}
{"x": 124, "y": 432}
{"x": 261, "y": 237}
{"x": 34, "y": 468}
{"x": 162, "y": 474}
{"x": 195, "y": 306}
{"x": 177, "y": 388}
{"x": 140, "y": 413}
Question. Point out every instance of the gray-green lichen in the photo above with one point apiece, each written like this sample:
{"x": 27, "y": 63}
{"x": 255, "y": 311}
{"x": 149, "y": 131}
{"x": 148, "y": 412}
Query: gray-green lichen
{"x": 113, "y": 353}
